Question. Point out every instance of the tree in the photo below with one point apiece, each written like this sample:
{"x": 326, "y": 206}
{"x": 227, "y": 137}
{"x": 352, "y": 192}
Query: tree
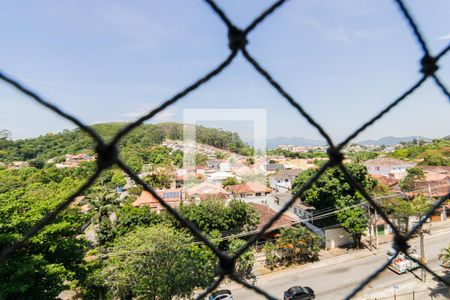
{"x": 246, "y": 261}
{"x": 130, "y": 217}
{"x": 361, "y": 156}
{"x": 200, "y": 159}
{"x": 298, "y": 244}
{"x": 241, "y": 215}
{"x": 135, "y": 163}
{"x": 43, "y": 266}
{"x": 294, "y": 245}
{"x": 332, "y": 190}
{"x": 414, "y": 173}
{"x": 402, "y": 209}
{"x": 155, "y": 263}
{"x": 219, "y": 155}
{"x": 354, "y": 221}
{"x": 118, "y": 179}
{"x": 213, "y": 214}
{"x": 105, "y": 232}
{"x": 177, "y": 158}
{"x": 332, "y": 185}
{"x": 445, "y": 257}
{"x": 5, "y": 134}
{"x": 159, "y": 180}
{"x": 229, "y": 181}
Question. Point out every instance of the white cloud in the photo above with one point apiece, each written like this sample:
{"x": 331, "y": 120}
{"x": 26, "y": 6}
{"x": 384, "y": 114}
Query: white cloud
{"x": 444, "y": 37}
{"x": 340, "y": 32}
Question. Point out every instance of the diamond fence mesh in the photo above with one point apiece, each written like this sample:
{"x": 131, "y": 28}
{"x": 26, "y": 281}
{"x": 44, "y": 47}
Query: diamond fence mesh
{"x": 108, "y": 153}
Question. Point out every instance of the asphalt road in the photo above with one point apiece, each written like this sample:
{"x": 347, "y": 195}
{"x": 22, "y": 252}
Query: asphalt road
{"x": 335, "y": 281}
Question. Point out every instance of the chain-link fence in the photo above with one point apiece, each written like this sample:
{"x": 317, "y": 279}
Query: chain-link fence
{"x": 108, "y": 153}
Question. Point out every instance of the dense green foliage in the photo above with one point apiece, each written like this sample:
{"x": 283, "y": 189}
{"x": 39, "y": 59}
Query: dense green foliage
{"x": 295, "y": 245}
{"x": 290, "y": 154}
{"x": 332, "y": 190}
{"x": 245, "y": 262}
{"x": 358, "y": 157}
{"x": 155, "y": 263}
{"x": 401, "y": 209}
{"x": 414, "y": 173}
{"x": 40, "y": 269}
{"x": 144, "y": 237}
{"x": 210, "y": 215}
{"x": 229, "y": 181}
{"x": 159, "y": 180}
{"x": 137, "y": 142}
{"x": 436, "y": 153}
{"x": 445, "y": 257}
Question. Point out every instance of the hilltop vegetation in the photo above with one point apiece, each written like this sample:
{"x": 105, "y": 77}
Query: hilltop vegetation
{"x": 51, "y": 145}
{"x": 436, "y": 153}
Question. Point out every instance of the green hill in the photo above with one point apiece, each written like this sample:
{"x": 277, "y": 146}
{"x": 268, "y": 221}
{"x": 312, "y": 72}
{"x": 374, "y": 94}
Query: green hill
{"x": 436, "y": 153}
{"x": 74, "y": 141}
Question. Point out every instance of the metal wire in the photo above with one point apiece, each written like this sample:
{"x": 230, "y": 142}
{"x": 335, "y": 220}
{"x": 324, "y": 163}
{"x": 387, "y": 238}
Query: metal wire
{"x": 108, "y": 153}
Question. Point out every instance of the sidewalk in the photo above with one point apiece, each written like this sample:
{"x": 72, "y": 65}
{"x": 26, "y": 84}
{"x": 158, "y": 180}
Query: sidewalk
{"x": 406, "y": 289}
{"x": 336, "y": 256}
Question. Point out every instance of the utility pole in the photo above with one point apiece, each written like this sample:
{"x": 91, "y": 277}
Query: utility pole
{"x": 370, "y": 229}
{"x": 376, "y": 229}
{"x": 431, "y": 200}
{"x": 422, "y": 255}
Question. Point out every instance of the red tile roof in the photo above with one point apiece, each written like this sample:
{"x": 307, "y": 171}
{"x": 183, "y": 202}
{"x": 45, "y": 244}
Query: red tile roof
{"x": 266, "y": 213}
{"x": 384, "y": 180}
{"x": 249, "y": 187}
{"x": 172, "y": 197}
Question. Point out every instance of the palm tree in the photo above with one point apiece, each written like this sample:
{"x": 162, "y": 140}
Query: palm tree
{"x": 445, "y": 257}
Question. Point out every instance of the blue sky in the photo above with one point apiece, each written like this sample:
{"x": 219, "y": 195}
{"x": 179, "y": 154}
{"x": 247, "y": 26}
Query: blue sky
{"x": 113, "y": 60}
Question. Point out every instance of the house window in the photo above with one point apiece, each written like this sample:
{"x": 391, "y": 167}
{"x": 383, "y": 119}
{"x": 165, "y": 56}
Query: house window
{"x": 286, "y": 180}
{"x": 377, "y": 168}
{"x": 258, "y": 194}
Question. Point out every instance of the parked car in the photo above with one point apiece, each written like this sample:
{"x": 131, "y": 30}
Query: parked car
{"x": 299, "y": 293}
{"x": 391, "y": 251}
{"x": 221, "y": 295}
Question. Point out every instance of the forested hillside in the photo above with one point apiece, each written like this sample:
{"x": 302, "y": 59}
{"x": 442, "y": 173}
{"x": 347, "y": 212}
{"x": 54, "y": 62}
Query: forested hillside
{"x": 436, "y": 153}
{"x": 57, "y": 145}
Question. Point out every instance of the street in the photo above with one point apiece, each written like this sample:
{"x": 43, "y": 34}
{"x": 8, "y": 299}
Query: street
{"x": 337, "y": 279}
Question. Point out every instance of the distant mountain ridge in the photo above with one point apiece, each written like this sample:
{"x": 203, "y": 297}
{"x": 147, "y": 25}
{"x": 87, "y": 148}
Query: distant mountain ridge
{"x": 296, "y": 141}
{"x": 300, "y": 141}
{"x": 392, "y": 140}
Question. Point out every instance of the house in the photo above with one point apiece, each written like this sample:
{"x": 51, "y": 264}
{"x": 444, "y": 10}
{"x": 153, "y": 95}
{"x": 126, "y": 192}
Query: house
{"x": 274, "y": 167}
{"x": 390, "y": 182}
{"x": 298, "y": 163}
{"x": 298, "y": 209}
{"x": 73, "y": 161}
{"x": 17, "y": 165}
{"x": 436, "y": 182}
{"x": 206, "y": 190}
{"x": 218, "y": 177}
{"x": 248, "y": 190}
{"x": 213, "y": 164}
{"x": 389, "y": 167}
{"x": 282, "y": 181}
{"x": 266, "y": 214}
{"x": 173, "y": 197}
{"x": 225, "y": 166}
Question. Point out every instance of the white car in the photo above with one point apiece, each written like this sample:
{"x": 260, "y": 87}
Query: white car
{"x": 391, "y": 251}
{"x": 221, "y": 295}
